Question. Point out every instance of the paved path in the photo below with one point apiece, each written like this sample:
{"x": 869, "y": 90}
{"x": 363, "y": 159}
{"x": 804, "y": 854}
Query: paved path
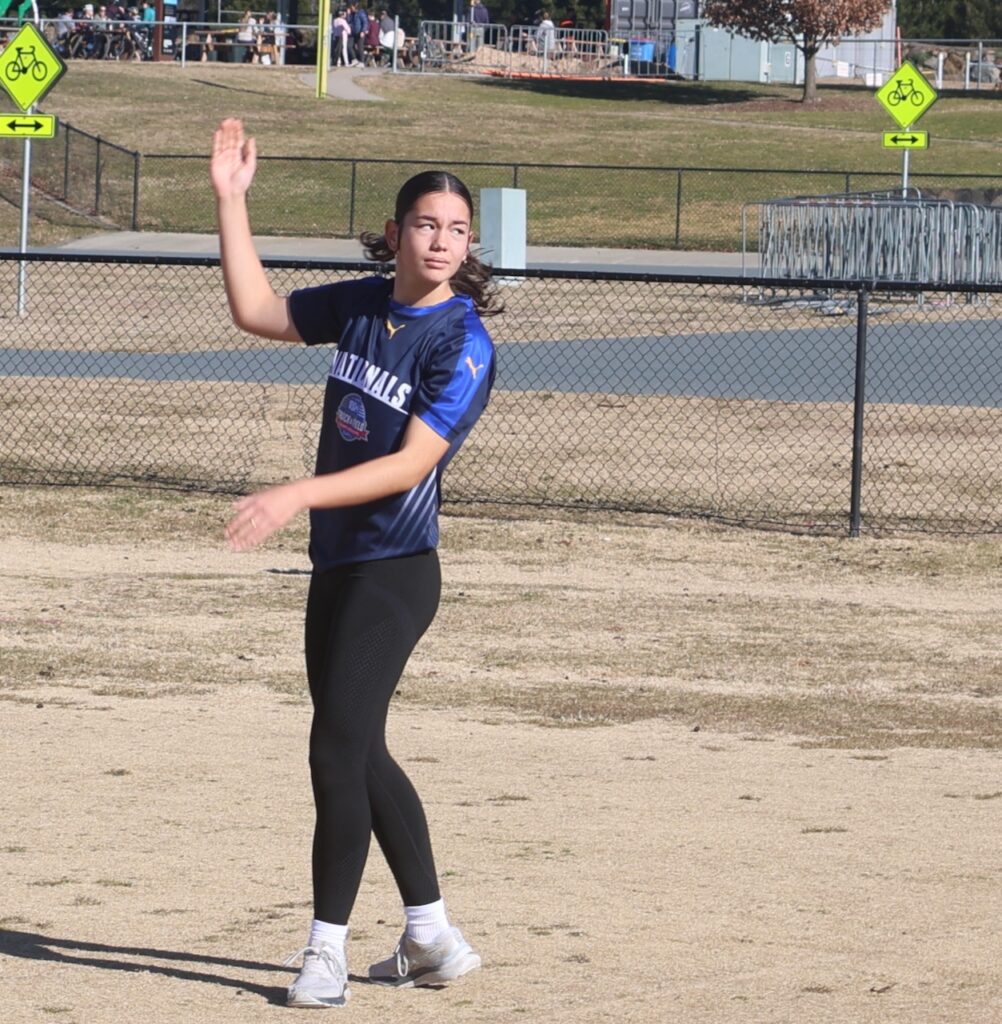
{"x": 798, "y": 365}
{"x": 341, "y": 83}
{"x": 155, "y": 243}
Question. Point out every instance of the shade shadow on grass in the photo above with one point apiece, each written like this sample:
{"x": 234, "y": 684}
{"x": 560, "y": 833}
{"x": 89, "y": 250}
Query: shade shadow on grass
{"x": 232, "y": 88}
{"x": 670, "y": 93}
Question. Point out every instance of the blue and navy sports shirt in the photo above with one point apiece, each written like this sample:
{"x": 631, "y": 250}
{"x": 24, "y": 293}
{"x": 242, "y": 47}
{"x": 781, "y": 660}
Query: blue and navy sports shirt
{"x": 392, "y": 362}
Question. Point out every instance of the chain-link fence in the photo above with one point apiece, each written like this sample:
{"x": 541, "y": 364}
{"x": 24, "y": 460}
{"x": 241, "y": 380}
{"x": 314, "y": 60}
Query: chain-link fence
{"x": 90, "y": 175}
{"x": 691, "y": 396}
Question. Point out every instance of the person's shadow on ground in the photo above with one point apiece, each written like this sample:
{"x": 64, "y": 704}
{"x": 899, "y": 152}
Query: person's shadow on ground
{"x": 32, "y": 946}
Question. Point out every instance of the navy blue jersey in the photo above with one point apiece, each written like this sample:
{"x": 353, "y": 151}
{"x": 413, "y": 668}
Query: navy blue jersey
{"x": 392, "y": 362}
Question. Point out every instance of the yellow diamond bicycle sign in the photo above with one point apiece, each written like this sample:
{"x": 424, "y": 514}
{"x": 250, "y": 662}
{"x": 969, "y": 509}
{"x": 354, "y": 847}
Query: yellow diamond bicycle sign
{"x": 907, "y": 95}
{"x": 29, "y": 67}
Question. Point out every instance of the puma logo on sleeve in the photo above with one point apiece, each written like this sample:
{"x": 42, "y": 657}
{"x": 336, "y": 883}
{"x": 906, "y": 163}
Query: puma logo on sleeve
{"x": 473, "y": 369}
{"x": 391, "y": 330}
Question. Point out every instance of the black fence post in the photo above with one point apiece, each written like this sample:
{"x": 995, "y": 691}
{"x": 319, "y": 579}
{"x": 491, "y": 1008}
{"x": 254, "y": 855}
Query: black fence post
{"x": 66, "y": 165}
{"x": 135, "y": 191}
{"x": 514, "y": 176}
{"x": 97, "y": 177}
{"x": 848, "y": 184}
{"x": 678, "y": 207}
{"x": 859, "y": 401}
{"x": 351, "y": 204}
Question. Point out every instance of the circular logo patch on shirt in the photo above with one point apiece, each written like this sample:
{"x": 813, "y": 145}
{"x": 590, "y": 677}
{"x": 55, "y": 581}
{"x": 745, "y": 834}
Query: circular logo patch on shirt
{"x": 350, "y": 418}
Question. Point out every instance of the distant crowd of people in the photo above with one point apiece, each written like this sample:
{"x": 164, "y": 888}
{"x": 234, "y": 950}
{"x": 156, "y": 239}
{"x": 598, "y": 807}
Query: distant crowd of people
{"x": 360, "y": 37}
{"x": 113, "y": 31}
{"x": 110, "y": 31}
{"x": 260, "y": 41}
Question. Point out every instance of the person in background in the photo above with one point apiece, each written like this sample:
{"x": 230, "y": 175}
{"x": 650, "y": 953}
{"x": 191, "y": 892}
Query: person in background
{"x": 372, "y": 38}
{"x": 480, "y": 18}
{"x": 101, "y": 26}
{"x": 281, "y": 37}
{"x": 65, "y": 27}
{"x": 341, "y": 36}
{"x": 359, "y": 22}
{"x": 81, "y": 41}
{"x": 149, "y": 12}
{"x": 545, "y": 34}
{"x": 246, "y": 47}
{"x": 387, "y": 37}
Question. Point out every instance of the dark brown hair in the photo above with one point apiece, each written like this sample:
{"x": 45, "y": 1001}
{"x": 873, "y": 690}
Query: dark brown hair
{"x": 473, "y": 278}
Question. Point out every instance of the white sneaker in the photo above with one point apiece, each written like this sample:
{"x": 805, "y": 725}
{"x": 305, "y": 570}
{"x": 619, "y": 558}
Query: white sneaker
{"x": 449, "y": 957}
{"x": 323, "y": 981}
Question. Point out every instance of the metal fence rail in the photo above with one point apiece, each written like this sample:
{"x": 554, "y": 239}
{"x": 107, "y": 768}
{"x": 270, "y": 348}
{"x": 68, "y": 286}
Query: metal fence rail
{"x": 655, "y": 393}
{"x": 525, "y": 51}
{"x": 565, "y": 52}
{"x": 458, "y": 46}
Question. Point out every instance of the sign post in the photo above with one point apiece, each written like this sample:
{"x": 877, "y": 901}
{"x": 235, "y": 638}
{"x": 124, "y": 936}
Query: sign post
{"x": 323, "y": 47}
{"x": 29, "y": 68}
{"x": 906, "y": 96}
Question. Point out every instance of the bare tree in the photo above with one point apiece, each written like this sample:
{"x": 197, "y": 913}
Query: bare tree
{"x": 808, "y": 24}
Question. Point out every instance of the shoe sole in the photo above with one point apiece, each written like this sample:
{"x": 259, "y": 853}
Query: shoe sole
{"x": 311, "y": 1003}
{"x": 440, "y": 976}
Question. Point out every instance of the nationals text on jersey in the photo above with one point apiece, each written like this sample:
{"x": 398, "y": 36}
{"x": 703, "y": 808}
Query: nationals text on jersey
{"x": 370, "y": 378}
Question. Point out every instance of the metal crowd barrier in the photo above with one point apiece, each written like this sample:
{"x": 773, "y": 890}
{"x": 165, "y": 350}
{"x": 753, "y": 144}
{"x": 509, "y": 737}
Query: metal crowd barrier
{"x": 522, "y": 50}
{"x": 879, "y": 236}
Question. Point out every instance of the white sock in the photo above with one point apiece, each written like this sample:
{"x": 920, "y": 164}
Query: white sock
{"x": 329, "y": 934}
{"x": 425, "y": 924}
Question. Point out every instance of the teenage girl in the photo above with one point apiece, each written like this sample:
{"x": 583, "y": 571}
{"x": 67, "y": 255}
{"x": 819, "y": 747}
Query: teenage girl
{"x": 410, "y": 376}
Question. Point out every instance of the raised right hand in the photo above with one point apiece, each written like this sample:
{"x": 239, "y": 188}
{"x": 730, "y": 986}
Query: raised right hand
{"x": 234, "y": 160}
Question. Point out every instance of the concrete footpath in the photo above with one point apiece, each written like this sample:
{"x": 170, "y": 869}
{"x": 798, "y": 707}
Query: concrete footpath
{"x": 153, "y": 243}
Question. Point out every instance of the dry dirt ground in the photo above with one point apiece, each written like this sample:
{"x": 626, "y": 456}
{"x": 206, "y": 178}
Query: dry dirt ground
{"x": 674, "y": 772}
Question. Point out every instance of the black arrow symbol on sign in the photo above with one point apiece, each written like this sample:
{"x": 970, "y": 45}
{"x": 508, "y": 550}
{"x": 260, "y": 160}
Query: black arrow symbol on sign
{"x": 33, "y": 125}
{"x": 904, "y": 138}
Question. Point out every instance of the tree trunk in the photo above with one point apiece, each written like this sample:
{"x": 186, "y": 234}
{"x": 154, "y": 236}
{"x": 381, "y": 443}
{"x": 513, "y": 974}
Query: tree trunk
{"x": 810, "y": 76}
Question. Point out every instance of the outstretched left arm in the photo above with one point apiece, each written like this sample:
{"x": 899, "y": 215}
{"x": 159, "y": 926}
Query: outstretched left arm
{"x": 260, "y": 515}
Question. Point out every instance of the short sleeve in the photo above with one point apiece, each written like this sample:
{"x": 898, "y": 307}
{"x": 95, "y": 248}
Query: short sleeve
{"x": 321, "y": 313}
{"x": 456, "y": 384}
{"x": 318, "y": 313}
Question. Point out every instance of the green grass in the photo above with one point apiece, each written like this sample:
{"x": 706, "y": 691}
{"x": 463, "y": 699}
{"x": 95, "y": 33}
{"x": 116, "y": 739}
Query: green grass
{"x": 164, "y": 109}
{"x": 160, "y": 108}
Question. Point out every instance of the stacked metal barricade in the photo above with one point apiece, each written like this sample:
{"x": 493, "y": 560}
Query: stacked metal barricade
{"x": 521, "y": 51}
{"x": 880, "y": 236}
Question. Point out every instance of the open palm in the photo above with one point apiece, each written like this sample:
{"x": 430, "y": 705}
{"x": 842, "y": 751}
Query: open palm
{"x": 234, "y": 159}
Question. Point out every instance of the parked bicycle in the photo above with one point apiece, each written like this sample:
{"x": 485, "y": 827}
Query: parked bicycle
{"x": 122, "y": 40}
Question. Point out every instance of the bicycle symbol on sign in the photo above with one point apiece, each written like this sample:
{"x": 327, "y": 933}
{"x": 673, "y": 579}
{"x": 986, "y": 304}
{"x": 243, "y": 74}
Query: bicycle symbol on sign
{"x": 23, "y": 65}
{"x": 905, "y": 90}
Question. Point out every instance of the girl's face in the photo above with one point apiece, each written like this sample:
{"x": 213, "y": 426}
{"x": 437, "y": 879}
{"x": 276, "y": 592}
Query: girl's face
{"x": 431, "y": 243}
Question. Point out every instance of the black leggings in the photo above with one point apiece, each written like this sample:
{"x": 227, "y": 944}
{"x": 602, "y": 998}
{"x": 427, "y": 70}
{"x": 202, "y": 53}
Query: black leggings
{"x": 362, "y": 622}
